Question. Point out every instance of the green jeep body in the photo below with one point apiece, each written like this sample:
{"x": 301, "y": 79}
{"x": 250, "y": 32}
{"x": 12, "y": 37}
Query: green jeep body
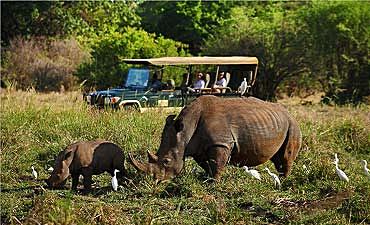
{"x": 138, "y": 93}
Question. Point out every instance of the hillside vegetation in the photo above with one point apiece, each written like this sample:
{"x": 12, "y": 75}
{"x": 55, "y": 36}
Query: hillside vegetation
{"x": 35, "y": 127}
{"x": 303, "y": 47}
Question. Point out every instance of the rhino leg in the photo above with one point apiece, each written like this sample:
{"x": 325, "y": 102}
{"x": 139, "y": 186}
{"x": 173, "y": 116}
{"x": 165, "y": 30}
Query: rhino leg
{"x": 290, "y": 154}
{"x": 75, "y": 177}
{"x": 87, "y": 174}
{"x": 218, "y": 156}
{"x": 278, "y": 159}
{"x": 121, "y": 175}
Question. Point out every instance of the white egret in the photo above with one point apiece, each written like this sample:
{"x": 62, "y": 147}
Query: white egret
{"x": 336, "y": 160}
{"x": 114, "y": 180}
{"x": 252, "y": 172}
{"x": 340, "y": 172}
{"x": 243, "y": 87}
{"x": 274, "y": 177}
{"x": 34, "y": 173}
{"x": 366, "y": 170}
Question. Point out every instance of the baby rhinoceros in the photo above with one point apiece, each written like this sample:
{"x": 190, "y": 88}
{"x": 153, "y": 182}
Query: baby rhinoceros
{"x": 86, "y": 158}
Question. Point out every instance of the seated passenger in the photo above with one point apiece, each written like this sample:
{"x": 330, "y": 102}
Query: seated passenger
{"x": 156, "y": 83}
{"x": 199, "y": 83}
{"x": 221, "y": 82}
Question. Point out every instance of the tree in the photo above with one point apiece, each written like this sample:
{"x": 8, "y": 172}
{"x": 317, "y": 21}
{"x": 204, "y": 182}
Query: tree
{"x": 28, "y": 19}
{"x": 107, "y": 69}
{"x": 268, "y": 31}
{"x": 338, "y": 35}
{"x": 86, "y": 20}
{"x": 189, "y": 22}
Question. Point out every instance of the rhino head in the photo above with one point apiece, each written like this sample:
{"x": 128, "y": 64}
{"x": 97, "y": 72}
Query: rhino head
{"x": 169, "y": 160}
{"x": 60, "y": 173}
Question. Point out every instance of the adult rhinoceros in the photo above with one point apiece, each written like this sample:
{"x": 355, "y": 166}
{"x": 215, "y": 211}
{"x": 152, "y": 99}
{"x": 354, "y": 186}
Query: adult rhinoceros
{"x": 215, "y": 131}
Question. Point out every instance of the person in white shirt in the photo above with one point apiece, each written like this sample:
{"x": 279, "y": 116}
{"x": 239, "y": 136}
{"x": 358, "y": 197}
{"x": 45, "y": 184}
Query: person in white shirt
{"x": 221, "y": 82}
{"x": 198, "y": 84}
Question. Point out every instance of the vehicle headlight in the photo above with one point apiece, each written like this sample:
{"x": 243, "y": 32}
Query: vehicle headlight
{"x": 114, "y": 100}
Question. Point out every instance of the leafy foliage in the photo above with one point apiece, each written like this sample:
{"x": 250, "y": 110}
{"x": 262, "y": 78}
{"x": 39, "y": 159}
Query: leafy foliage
{"x": 304, "y": 43}
{"x": 107, "y": 69}
{"x": 92, "y": 20}
{"x": 302, "y": 47}
{"x": 190, "y": 22}
{"x": 338, "y": 33}
{"x": 269, "y": 32}
{"x": 86, "y": 20}
{"x": 28, "y": 19}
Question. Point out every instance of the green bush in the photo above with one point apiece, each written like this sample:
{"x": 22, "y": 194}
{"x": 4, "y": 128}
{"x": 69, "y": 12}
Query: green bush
{"x": 107, "y": 69}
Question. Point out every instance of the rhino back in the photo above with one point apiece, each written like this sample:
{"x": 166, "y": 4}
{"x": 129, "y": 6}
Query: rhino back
{"x": 260, "y": 136}
{"x": 83, "y": 156}
{"x": 107, "y": 157}
{"x": 256, "y": 129}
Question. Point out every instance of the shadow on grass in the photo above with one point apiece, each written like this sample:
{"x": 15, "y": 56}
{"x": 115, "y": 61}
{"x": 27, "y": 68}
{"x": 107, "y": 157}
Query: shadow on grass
{"x": 259, "y": 211}
{"x": 17, "y": 189}
{"x": 176, "y": 190}
{"x": 331, "y": 200}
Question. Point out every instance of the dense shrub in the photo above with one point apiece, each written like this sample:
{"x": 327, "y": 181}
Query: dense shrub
{"x": 46, "y": 65}
{"x": 107, "y": 68}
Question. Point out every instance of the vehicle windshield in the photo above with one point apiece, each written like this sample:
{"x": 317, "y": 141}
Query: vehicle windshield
{"x": 137, "y": 77}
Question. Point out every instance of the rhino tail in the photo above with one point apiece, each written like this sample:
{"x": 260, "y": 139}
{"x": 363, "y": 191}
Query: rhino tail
{"x": 287, "y": 153}
{"x": 292, "y": 145}
{"x": 295, "y": 137}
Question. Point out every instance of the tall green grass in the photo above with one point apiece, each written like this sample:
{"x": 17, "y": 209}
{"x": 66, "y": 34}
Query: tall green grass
{"x": 35, "y": 127}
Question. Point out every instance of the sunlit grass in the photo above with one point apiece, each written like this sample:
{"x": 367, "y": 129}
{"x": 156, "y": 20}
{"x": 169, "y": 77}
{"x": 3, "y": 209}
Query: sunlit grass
{"x": 35, "y": 127}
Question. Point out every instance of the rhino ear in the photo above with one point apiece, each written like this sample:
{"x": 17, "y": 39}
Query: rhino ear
{"x": 67, "y": 155}
{"x": 170, "y": 119}
{"x": 179, "y": 125}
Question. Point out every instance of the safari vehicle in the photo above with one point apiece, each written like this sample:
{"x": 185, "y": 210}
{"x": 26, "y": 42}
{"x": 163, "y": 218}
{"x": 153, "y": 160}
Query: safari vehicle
{"x": 140, "y": 93}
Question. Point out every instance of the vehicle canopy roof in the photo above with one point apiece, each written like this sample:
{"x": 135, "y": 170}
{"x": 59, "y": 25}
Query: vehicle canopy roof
{"x": 199, "y": 60}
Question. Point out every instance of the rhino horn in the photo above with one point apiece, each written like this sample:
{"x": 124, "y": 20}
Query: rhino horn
{"x": 138, "y": 165}
{"x": 152, "y": 157}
